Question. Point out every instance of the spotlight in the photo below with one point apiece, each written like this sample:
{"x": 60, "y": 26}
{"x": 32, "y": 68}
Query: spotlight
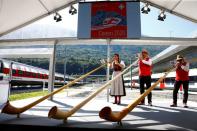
{"x": 162, "y": 16}
{"x": 57, "y": 17}
{"x": 72, "y": 10}
{"x": 145, "y": 9}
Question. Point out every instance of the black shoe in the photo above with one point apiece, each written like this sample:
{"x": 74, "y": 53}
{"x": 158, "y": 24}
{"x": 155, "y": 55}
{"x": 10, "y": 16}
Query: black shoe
{"x": 185, "y": 105}
{"x": 173, "y": 105}
{"x": 150, "y": 104}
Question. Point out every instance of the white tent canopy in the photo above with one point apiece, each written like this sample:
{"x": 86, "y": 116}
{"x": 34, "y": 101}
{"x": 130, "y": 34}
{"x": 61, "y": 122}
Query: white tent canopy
{"x": 76, "y": 41}
{"x": 182, "y": 8}
{"x": 15, "y": 14}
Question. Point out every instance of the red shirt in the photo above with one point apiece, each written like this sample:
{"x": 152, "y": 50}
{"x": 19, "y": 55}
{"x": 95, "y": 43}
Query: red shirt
{"x": 144, "y": 69}
{"x": 182, "y": 75}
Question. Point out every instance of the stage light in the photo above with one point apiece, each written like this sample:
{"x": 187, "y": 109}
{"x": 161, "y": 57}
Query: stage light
{"x": 57, "y": 17}
{"x": 72, "y": 10}
{"x": 162, "y": 16}
{"x": 145, "y": 9}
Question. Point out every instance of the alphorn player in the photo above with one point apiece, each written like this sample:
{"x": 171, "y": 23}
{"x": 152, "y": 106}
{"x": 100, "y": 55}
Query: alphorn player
{"x": 117, "y": 89}
{"x": 182, "y": 78}
{"x": 145, "y": 71}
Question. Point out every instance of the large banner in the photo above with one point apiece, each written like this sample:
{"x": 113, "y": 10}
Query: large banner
{"x": 109, "y": 20}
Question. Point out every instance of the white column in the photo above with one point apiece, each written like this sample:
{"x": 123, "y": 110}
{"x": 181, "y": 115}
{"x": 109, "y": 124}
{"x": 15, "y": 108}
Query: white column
{"x": 65, "y": 62}
{"x": 52, "y": 71}
{"x": 10, "y": 72}
{"x": 43, "y": 86}
{"x": 108, "y": 60}
{"x": 10, "y": 78}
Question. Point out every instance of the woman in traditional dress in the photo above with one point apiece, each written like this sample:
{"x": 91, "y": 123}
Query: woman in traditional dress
{"x": 118, "y": 88}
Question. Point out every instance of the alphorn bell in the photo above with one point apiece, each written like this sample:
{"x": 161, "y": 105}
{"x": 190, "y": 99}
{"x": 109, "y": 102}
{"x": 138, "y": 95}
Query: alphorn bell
{"x": 9, "y": 109}
{"x": 54, "y": 111}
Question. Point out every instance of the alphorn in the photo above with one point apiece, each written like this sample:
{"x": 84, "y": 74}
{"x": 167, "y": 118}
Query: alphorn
{"x": 58, "y": 114}
{"x": 9, "y": 109}
{"x": 107, "y": 114}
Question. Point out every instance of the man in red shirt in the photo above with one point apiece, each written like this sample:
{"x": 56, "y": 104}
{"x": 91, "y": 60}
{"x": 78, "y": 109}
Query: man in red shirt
{"x": 145, "y": 71}
{"x": 182, "y": 78}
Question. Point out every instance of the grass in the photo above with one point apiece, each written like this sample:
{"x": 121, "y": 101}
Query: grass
{"x": 25, "y": 95}
{"x": 28, "y": 94}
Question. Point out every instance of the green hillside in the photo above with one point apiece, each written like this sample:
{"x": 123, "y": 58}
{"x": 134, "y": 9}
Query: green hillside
{"x": 80, "y": 59}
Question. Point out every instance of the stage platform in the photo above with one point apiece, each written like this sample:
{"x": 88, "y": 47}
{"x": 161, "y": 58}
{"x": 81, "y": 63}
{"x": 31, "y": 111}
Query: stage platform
{"x": 160, "y": 116}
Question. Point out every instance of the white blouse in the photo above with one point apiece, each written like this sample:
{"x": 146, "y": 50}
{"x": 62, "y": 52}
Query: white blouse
{"x": 121, "y": 62}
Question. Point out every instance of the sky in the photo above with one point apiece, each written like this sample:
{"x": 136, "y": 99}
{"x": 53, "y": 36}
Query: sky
{"x": 172, "y": 26}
